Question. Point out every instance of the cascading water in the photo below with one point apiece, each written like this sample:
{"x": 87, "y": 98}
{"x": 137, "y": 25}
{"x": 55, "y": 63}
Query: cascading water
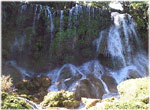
{"x": 34, "y": 19}
{"x": 50, "y": 17}
{"x": 69, "y": 20}
{"x": 61, "y": 21}
{"x": 121, "y": 37}
{"x": 116, "y": 48}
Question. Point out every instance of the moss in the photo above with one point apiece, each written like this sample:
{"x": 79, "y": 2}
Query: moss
{"x": 60, "y": 99}
{"x": 133, "y": 88}
{"x": 12, "y": 102}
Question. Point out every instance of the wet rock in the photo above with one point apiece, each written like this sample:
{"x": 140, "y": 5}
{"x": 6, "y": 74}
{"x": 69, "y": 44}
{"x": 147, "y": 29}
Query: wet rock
{"x": 84, "y": 86}
{"x": 110, "y": 82}
{"x": 133, "y": 74}
{"x": 13, "y": 72}
{"x": 65, "y": 73}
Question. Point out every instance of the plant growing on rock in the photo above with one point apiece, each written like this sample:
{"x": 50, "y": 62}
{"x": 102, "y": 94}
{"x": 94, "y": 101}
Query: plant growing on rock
{"x": 60, "y": 99}
{"x": 6, "y": 83}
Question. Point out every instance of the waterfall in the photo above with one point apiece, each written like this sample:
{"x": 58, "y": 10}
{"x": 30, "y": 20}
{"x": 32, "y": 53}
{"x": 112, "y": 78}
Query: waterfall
{"x": 98, "y": 42}
{"x": 89, "y": 13}
{"x": 69, "y": 20}
{"x": 61, "y": 21}
{"x": 50, "y": 17}
{"x": 120, "y": 41}
{"x": 34, "y": 18}
{"x": 114, "y": 44}
{"x": 39, "y": 14}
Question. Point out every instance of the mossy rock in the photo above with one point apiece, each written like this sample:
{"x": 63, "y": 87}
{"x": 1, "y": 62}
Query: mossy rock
{"x": 60, "y": 99}
{"x": 133, "y": 88}
{"x": 12, "y": 102}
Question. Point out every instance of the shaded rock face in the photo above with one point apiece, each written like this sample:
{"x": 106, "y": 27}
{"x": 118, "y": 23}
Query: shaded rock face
{"x": 83, "y": 88}
{"x": 112, "y": 85}
{"x": 90, "y": 88}
{"x": 13, "y": 72}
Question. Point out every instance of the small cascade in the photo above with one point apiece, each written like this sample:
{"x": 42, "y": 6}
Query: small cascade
{"x": 39, "y": 14}
{"x": 34, "y": 18}
{"x": 89, "y": 13}
{"x": 89, "y": 68}
{"x": 114, "y": 44}
{"x": 50, "y": 17}
{"x": 61, "y": 21}
{"x": 69, "y": 20}
{"x": 98, "y": 43}
{"x": 23, "y": 71}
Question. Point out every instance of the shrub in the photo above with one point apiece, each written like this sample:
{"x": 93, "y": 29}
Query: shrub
{"x": 6, "y": 83}
{"x": 60, "y": 99}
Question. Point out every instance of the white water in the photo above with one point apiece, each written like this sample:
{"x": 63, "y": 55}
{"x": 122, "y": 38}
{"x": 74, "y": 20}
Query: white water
{"x": 84, "y": 70}
{"x": 114, "y": 44}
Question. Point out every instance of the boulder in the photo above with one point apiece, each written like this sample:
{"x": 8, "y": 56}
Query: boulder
{"x": 90, "y": 88}
{"x": 110, "y": 82}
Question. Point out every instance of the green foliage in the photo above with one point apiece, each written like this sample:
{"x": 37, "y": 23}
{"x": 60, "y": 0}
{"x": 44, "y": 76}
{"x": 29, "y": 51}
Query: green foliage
{"x": 12, "y": 102}
{"x": 100, "y": 4}
{"x": 60, "y": 99}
